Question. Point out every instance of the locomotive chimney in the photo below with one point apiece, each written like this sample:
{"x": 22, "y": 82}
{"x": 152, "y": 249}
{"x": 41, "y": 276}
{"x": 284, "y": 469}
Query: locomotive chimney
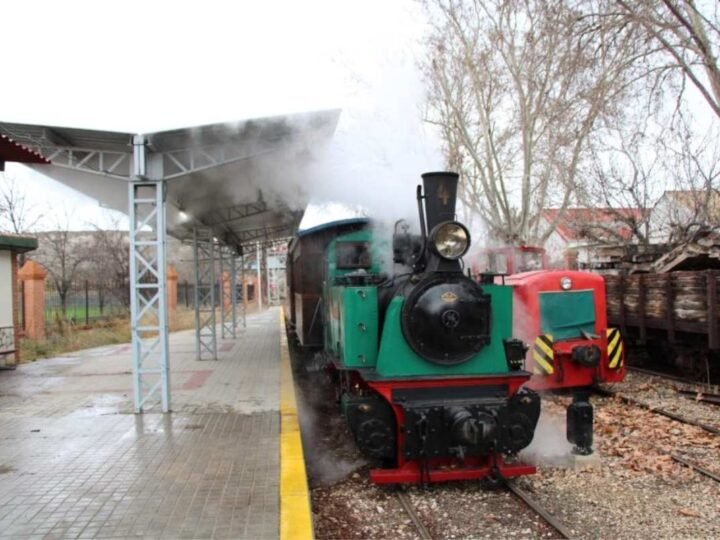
{"x": 440, "y": 196}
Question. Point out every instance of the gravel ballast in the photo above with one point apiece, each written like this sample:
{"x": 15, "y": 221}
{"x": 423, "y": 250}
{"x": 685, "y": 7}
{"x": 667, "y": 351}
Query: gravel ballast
{"x": 637, "y": 491}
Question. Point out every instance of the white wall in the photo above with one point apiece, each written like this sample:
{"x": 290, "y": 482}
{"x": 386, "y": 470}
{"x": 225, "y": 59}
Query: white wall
{"x": 6, "y": 308}
{"x": 555, "y": 247}
{"x": 665, "y": 216}
{"x": 7, "y": 335}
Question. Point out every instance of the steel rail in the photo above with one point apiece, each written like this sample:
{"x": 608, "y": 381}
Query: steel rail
{"x": 410, "y": 511}
{"x": 670, "y": 377}
{"x": 663, "y": 412}
{"x": 696, "y": 468}
{"x": 697, "y": 395}
{"x": 539, "y": 510}
{"x": 675, "y": 457}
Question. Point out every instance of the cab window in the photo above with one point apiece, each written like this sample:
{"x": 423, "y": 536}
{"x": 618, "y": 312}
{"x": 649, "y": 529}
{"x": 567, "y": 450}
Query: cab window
{"x": 529, "y": 260}
{"x": 498, "y": 263}
{"x": 350, "y": 255}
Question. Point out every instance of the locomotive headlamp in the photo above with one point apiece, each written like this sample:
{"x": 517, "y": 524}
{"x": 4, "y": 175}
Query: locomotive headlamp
{"x": 450, "y": 239}
{"x": 565, "y": 283}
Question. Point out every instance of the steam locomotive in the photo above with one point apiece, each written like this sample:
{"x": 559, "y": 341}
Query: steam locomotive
{"x": 428, "y": 374}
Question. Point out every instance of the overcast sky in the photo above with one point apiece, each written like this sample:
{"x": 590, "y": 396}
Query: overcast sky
{"x": 143, "y": 66}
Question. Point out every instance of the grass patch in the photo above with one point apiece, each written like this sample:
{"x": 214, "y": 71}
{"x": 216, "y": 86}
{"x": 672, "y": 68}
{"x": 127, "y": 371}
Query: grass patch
{"x": 75, "y": 339}
{"x": 78, "y": 313}
{"x": 65, "y": 337}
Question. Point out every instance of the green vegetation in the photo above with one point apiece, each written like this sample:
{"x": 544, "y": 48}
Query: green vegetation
{"x": 74, "y": 339}
{"x": 64, "y": 337}
{"x": 77, "y": 313}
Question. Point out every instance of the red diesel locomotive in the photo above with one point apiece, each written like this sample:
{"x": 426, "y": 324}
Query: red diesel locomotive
{"x": 561, "y": 315}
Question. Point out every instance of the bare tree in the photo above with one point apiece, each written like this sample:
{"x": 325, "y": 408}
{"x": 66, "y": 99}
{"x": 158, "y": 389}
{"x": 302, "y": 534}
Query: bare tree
{"x": 17, "y": 214}
{"x": 623, "y": 176}
{"x": 62, "y": 253}
{"x": 660, "y": 183}
{"x": 683, "y": 36}
{"x": 517, "y": 91}
{"x": 694, "y": 164}
{"x": 109, "y": 266}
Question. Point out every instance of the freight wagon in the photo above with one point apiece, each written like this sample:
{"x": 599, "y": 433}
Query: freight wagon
{"x": 672, "y": 316}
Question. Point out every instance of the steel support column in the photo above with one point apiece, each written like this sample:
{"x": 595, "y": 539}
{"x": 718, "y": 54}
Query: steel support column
{"x": 228, "y": 303}
{"x": 259, "y": 294}
{"x": 204, "y": 262}
{"x": 234, "y": 288}
{"x": 243, "y": 288}
{"x": 148, "y": 296}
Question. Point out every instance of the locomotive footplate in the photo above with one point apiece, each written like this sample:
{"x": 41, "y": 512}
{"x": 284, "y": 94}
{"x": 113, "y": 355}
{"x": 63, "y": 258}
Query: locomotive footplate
{"x": 466, "y": 421}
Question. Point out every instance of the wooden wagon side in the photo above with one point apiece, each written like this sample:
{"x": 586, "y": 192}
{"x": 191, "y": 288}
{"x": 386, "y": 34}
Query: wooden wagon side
{"x": 674, "y": 302}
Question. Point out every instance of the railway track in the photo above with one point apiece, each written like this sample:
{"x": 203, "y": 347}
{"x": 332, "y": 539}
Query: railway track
{"x": 675, "y": 457}
{"x": 632, "y": 401}
{"x": 704, "y": 397}
{"x": 412, "y": 514}
{"x": 697, "y": 468}
{"x": 706, "y": 393}
{"x": 676, "y": 378}
{"x": 536, "y": 507}
{"x": 520, "y": 493}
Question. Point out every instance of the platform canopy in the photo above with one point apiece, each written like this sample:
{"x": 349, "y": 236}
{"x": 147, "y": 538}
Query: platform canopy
{"x": 226, "y": 176}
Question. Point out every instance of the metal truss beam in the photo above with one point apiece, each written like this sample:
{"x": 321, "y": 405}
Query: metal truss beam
{"x": 204, "y": 262}
{"x": 237, "y": 213}
{"x": 113, "y": 164}
{"x": 175, "y": 163}
{"x": 148, "y": 294}
{"x": 264, "y": 234}
{"x": 178, "y": 163}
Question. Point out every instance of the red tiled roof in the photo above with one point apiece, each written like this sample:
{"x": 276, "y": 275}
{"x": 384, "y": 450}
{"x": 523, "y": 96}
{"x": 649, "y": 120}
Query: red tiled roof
{"x": 13, "y": 151}
{"x": 574, "y": 221}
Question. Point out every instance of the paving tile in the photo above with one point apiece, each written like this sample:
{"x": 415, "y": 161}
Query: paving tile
{"x": 80, "y": 466}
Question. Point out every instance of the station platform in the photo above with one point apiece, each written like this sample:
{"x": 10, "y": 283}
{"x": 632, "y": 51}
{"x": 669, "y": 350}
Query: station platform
{"x": 75, "y": 462}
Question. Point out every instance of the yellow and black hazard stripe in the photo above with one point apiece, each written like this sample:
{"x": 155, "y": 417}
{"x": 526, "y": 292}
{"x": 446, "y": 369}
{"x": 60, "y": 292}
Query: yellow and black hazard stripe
{"x": 615, "y": 348}
{"x": 543, "y": 355}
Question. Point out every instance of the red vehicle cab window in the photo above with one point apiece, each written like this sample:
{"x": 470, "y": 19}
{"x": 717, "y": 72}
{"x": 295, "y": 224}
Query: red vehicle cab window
{"x": 510, "y": 260}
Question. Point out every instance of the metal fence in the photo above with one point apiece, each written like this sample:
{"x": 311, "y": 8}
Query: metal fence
{"x": 186, "y": 294}
{"x": 87, "y": 302}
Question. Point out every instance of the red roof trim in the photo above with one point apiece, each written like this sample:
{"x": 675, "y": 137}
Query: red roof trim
{"x": 570, "y": 225}
{"x": 16, "y": 152}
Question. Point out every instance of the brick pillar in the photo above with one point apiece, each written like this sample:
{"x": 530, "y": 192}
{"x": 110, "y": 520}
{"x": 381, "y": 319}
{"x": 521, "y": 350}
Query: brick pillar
{"x": 250, "y": 280}
{"x": 33, "y": 276}
{"x": 226, "y": 291}
{"x": 172, "y": 296}
{"x": 244, "y": 293}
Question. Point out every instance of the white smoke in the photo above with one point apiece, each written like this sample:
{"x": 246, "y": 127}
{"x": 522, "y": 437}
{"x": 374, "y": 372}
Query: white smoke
{"x": 549, "y": 446}
{"x": 381, "y": 147}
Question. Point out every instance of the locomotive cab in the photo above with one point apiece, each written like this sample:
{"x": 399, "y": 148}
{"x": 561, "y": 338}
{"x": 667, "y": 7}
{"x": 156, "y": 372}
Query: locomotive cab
{"x": 508, "y": 260}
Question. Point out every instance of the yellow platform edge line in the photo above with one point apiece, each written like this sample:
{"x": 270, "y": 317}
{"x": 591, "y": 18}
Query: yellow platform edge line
{"x": 295, "y": 514}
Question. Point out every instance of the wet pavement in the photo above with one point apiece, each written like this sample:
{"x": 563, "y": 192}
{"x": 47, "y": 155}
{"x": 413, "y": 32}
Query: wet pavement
{"x": 76, "y": 463}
